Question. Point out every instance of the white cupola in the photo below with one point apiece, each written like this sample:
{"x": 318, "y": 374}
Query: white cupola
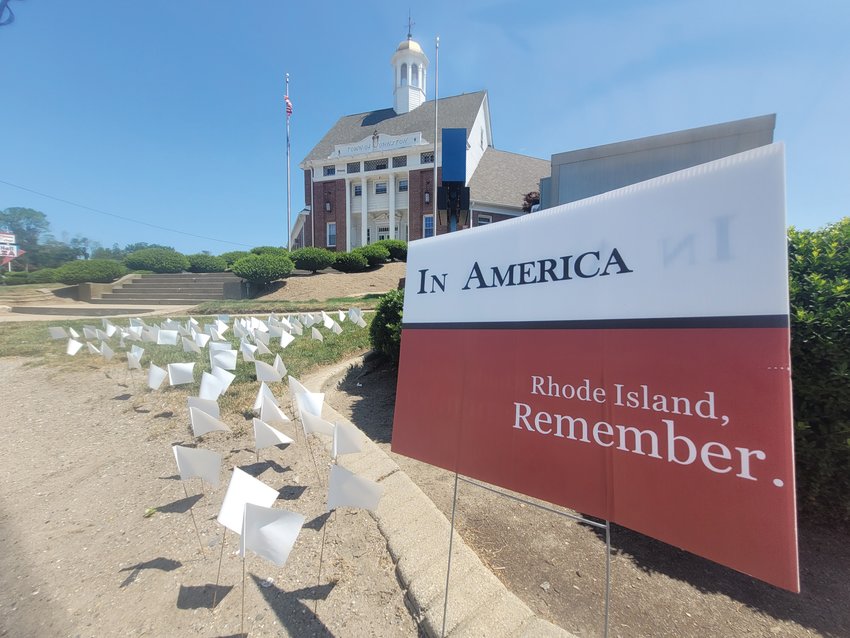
{"x": 409, "y": 66}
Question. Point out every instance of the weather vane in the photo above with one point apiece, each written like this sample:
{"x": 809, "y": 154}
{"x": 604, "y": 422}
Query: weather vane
{"x": 410, "y": 24}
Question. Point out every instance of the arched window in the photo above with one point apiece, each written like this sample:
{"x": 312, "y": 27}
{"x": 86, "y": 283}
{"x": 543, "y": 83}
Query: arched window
{"x": 414, "y": 75}
{"x": 403, "y": 79}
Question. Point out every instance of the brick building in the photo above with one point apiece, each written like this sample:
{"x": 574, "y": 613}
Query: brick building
{"x": 378, "y": 166}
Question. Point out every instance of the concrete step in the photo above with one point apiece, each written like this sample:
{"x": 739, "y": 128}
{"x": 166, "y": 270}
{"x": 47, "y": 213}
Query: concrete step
{"x": 199, "y": 277}
{"x": 170, "y": 301}
{"x": 183, "y": 294}
{"x": 168, "y": 287}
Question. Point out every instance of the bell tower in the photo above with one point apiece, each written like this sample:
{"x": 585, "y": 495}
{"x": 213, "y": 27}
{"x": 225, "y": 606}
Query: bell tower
{"x": 409, "y": 74}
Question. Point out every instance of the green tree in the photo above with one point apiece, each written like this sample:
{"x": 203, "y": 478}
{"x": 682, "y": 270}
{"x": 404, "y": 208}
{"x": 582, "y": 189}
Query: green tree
{"x": 28, "y": 225}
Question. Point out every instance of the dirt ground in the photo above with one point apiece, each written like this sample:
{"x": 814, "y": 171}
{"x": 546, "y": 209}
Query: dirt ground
{"x": 84, "y": 457}
{"x": 330, "y": 283}
{"x": 557, "y": 567}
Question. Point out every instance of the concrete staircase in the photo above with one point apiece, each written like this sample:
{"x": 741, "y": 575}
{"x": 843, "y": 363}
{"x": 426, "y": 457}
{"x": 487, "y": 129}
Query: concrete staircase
{"x": 178, "y": 289}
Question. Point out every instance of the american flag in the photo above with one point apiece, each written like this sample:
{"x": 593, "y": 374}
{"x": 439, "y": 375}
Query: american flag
{"x": 288, "y": 105}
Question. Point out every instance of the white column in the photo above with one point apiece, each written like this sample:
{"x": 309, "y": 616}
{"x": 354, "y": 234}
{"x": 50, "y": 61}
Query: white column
{"x": 364, "y": 210}
{"x": 347, "y": 216}
{"x": 391, "y": 212}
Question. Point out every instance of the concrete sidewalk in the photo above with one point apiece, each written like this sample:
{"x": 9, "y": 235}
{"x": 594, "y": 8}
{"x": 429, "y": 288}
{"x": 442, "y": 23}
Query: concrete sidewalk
{"x": 80, "y": 310}
{"x": 417, "y": 536}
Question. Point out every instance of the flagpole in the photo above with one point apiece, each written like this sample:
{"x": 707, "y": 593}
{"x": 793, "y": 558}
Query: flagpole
{"x": 288, "y": 185}
{"x": 436, "y": 114}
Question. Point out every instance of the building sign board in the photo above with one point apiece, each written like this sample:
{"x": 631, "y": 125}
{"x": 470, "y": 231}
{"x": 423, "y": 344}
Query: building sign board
{"x": 6, "y": 237}
{"x": 377, "y": 143}
{"x": 626, "y": 356}
{"x": 8, "y": 250}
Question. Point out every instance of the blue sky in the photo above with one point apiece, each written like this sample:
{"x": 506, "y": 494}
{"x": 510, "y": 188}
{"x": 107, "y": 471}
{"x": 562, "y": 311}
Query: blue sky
{"x": 171, "y": 112}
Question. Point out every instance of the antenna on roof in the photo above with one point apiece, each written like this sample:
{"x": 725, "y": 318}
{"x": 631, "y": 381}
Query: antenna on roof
{"x": 410, "y": 24}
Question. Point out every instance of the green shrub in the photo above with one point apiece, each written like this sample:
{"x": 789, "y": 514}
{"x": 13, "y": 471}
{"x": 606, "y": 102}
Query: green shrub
{"x": 313, "y": 259}
{"x": 374, "y": 253}
{"x": 263, "y": 269}
{"x": 231, "y": 257}
{"x": 16, "y": 278}
{"x": 385, "y": 331}
{"x": 350, "y": 262}
{"x": 819, "y": 268}
{"x": 44, "y": 276}
{"x": 397, "y": 248}
{"x": 201, "y": 262}
{"x": 269, "y": 250}
{"x": 96, "y": 271}
{"x": 157, "y": 260}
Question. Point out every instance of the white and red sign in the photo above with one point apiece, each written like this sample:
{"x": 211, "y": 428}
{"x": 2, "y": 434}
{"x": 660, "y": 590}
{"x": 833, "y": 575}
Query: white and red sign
{"x": 6, "y": 237}
{"x": 626, "y": 356}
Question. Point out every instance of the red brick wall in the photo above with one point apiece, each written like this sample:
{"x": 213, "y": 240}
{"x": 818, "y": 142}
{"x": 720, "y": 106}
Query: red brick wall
{"x": 421, "y": 181}
{"x": 332, "y": 192}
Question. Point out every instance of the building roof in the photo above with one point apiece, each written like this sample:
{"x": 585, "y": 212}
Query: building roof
{"x": 458, "y": 111}
{"x": 503, "y": 178}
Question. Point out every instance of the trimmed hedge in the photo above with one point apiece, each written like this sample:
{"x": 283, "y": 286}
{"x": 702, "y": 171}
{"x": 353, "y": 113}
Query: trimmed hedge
{"x": 267, "y": 250}
{"x": 819, "y": 268}
{"x": 159, "y": 260}
{"x": 96, "y": 271}
{"x": 201, "y": 262}
{"x": 263, "y": 269}
{"x": 313, "y": 259}
{"x": 397, "y": 248}
{"x": 44, "y": 276}
{"x": 16, "y": 278}
{"x": 350, "y": 262}
{"x": 232, "y": 256}
{"x": 375, "y": 254}
{"x": 385, "y": 331}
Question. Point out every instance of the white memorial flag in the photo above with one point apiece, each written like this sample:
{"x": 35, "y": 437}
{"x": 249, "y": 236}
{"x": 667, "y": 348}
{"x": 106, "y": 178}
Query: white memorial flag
{"x": 202, "y": 423}
{"x": 310, "y": 402}
{"x": 243, "y": 488}
{"x": 73, "y": 347}
{"x": 295, "y": 386}
{"x": 336, "y": 328}
{"x": 278, "y": 365}
{"x": 224, "y": 377}
{"x": 316, "y": 424}
{"x": 189, "y": 345}
{"x": 286, "y": 339}
{"x": 266, "y": 436}
{"x": 133, "y": 362}
{"x": 345, "y": 489}
{"x": 156, "y": 376}
{"x": 347, "y": 439}
{"x": 269, "y": 533}
{"x": 270, "y": 413}
{"x": 74, "y": 334}
{"x": 105, "y": 351}
{"x": 267, "y": 373}
{"x": 225, "y": 359}
{"x": 180, "y": 373}
{"x": 264, "y": 391}
{"x": 57, "y": 333}
{"x": 167, "y": 338}
{"x": 92, "y": 348}
{"x": 261, "y": 347}
{"x": 210, "y": 406}
{"x": 192, "y": 462}
{"x": 317, "y": 335}
{"x": 247, "y": 351}
{"x": 211, "y": 387}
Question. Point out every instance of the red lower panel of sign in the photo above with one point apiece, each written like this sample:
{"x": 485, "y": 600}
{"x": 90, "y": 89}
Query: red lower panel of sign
{"x": 681, "y": 434}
